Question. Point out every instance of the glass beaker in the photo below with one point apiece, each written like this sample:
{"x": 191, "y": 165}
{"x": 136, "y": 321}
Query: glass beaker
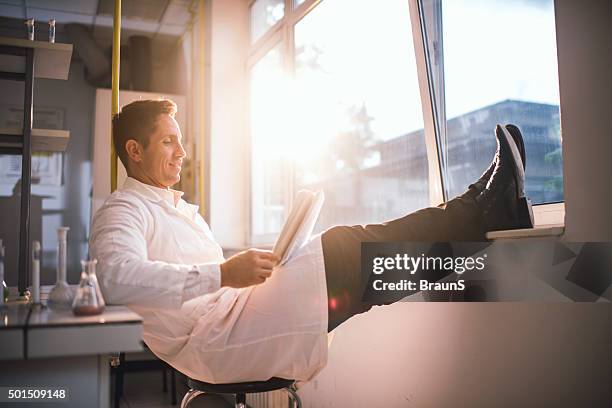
{"x": 62, "y": 295}
{"x": 30, "y": 25}
{"x": 88, "y": 299}
{"x": 51, "y": 31}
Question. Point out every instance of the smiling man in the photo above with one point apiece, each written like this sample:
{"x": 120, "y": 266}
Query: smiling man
{"x": 234, "y": 320}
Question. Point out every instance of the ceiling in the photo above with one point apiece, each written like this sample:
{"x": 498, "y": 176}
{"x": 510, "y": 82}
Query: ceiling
{"x": 157, "y": 19}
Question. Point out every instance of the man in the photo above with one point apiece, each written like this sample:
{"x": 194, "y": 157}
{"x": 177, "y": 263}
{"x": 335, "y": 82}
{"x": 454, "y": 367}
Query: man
{"x": 235, "y": 320}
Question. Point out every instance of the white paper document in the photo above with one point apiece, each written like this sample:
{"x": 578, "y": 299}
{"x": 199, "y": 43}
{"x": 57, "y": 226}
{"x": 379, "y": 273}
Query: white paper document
{"x": 300, "y": 224}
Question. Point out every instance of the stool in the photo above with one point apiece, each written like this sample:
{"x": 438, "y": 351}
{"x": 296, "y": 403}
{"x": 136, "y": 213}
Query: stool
{"x": 123, "y": 366}
{"x": 239, "y": 390}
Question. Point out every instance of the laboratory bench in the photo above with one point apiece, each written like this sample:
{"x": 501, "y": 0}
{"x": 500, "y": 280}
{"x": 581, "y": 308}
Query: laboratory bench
{"x": 51, "y": 349}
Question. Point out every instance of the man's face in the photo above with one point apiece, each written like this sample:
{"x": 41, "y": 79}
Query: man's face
{"x": 161, "y": 160}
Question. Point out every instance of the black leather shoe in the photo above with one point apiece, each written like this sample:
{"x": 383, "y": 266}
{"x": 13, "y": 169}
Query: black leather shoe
{"x": 478, "y": 186}
{"x": 518, "y": 139}
{"x": 503, "y": 202}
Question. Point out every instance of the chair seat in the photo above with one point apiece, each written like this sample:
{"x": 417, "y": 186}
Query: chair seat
{"x": 272, "y": 384}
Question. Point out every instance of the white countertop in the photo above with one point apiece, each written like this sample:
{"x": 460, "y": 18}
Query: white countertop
{"x": 45, "y": 317}
{"x": 28, "y": 331}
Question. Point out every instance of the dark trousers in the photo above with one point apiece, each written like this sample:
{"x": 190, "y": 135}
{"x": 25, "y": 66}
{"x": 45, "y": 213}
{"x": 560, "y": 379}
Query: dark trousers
{"x": 457, "y": 220}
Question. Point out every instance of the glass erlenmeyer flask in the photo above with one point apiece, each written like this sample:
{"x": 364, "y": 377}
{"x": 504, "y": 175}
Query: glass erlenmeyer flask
{"x": 62, "y": 295}
{"x": 88, "y": 299}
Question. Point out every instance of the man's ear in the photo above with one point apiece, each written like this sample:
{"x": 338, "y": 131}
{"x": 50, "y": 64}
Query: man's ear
{"x": 134, "y": 150}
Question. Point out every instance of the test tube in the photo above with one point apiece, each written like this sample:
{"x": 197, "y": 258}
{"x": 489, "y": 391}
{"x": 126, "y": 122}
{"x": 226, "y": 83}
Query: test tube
{"x": 62, "y": 232}
{"x": 35, "y": 272}
{"x": 30, "y": 24}
{"x": 52, "y": 31}
{"x": 1, "y": 273}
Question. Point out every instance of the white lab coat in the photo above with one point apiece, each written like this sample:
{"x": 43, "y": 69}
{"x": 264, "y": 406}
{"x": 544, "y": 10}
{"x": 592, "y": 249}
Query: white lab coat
{"x": 146, "y": 249}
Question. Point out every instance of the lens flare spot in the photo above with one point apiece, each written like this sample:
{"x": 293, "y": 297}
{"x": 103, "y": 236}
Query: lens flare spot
{"x": 333, "y": 303}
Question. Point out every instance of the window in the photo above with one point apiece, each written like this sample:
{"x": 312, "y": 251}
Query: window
{"x": 494, "y": 62}
{"x": 361, "y": 125}
{"x": 336, "y": 104}
{"x": 61, "y": 182}
{"x": 344, "y": 116}
{"x": 268, "y": 181}
{"x": 265, "y": 14}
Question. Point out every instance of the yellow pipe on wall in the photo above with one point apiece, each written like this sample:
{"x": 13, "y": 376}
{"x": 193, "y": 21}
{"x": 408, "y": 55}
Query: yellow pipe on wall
{"x": 202, "y": 91}
{"x": 115, "y": 85}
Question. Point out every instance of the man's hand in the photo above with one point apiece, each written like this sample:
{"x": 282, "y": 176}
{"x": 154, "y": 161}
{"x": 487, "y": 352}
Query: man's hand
{"x": 248, "y": 268}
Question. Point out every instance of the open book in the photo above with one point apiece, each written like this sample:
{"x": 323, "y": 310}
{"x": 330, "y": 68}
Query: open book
{"x": 299, "y": 225}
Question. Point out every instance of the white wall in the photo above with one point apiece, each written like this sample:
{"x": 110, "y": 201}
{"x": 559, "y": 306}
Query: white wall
{"x": 584, "y": 48}
{"x": 468, "y": 355}
{"x": 228, "y": 128}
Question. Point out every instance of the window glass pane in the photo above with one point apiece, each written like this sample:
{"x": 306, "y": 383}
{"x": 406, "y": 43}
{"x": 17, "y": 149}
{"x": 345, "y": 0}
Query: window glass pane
{"x": 268, "y": 180}
{"x": 59, "y": 197}
{"x": 10, "y": 205}
{"x": 264, "y": 14}
{"x": 498, "y": 65}
{"x": 358, "y": 126}
{"x": 61, "y": 183}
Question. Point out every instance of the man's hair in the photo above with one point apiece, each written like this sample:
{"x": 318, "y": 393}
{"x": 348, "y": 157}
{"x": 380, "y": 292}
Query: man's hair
{"x": 138, "y": 120}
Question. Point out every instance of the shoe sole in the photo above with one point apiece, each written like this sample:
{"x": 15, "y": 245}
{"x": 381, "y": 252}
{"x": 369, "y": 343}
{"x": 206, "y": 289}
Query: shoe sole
{"x": 518, "y": 139}
{"x": 525, "y": 211}
{"x": 524, "y": 204}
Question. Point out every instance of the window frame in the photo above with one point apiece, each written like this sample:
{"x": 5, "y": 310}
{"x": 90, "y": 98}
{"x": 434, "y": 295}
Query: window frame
{"x": 283, "y": 33}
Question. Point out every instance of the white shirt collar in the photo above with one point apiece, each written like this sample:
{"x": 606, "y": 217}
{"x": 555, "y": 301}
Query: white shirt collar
{"x": 172, "y": 197}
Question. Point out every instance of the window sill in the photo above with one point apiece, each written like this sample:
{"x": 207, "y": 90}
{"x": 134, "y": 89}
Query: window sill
{"x": 543, "y": 231}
